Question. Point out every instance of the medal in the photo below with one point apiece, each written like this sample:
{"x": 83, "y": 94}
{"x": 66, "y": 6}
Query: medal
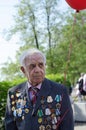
{"x": 22, "y": 117}
{"x": 13, "y": 102}
{"x": 58, "y": 98}
{"x": 47, "y": 111}
{"x": 53, "y": 115}
{"x": 14, "y": 113}
{"x": 19, "y": 100}
{"x": 18, "y": 94}
{"x": 40, "y": 113}
{"x": 54, "y": 127}
{"x": 52, "y": 110}
{"x": 13, "y": 108}
{"x": 48, "y": 118}
{"x": 48, "y": 127}
{"x": 54, "y": 120}
{"x": 58, "y": 105}
{"x": 24, "y": 103}
{"x": 45, "y": 121}
{"x": 42, "y": 100}
{"x": 19, "y": 111}
{"x": 40, "y": 120}
{"x": 42, "y": 127}
{"x": 49, "y": 99}
{"x": 26, "y": 110}
{"x": 12, "y": 96}
{"x": 57, "y": 112}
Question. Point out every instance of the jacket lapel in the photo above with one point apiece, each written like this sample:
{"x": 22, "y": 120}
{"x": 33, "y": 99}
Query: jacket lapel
{"x": 27, "y": 95}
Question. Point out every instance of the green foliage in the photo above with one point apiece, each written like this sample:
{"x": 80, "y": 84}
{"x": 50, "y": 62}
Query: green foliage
{"x": 4, "y": 86}
{"x": 69, "y": 55}
{"x": 56, "y": 77}
{"x": 61, "y": 36}
{"x": 59, "y": 78}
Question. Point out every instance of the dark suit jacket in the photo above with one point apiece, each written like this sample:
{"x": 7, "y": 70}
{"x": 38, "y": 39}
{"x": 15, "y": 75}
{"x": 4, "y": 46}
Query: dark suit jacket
{"x": 53, "y": 109}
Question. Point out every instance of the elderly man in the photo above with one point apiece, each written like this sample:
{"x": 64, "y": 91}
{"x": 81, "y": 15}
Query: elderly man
{"x": 38, "y": 103}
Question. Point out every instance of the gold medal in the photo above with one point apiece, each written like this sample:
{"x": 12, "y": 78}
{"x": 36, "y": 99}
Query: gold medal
{"x": 26, "y": 110}
{"x": 13, "y": 103}
{"x": 40, "y": 120}
{"x": 13, "y": 108}
{"x": 48, "y": 127}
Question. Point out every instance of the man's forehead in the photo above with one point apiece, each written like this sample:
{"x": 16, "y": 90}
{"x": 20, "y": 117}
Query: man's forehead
{"x": 36, "y": 56}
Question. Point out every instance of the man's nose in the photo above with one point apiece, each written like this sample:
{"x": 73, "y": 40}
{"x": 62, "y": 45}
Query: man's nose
{"x": 37, "y": 68}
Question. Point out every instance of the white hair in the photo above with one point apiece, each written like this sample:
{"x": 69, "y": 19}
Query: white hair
{"x": 28, "y": 53}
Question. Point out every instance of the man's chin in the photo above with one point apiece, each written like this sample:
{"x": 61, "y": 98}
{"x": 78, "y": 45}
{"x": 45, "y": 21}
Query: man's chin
{"x": 38, "y": 82}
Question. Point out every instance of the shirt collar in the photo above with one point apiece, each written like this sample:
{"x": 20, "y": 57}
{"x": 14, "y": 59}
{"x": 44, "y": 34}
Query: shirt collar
{"x": 38, "y": 86}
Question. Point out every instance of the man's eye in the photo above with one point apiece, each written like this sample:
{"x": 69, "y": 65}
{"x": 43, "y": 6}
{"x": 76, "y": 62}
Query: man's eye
{"x": 41, "y": 65}
{"x": 32, "y": 66}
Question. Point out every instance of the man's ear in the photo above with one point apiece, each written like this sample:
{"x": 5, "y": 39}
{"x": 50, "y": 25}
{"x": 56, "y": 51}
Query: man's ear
{"x": 22, "y": 69}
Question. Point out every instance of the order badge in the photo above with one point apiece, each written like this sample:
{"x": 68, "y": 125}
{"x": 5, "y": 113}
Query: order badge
{"x": 49, "y": 99}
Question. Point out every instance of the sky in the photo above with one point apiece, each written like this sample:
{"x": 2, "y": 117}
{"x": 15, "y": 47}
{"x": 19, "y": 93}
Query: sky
{"x": 8, "y": 48}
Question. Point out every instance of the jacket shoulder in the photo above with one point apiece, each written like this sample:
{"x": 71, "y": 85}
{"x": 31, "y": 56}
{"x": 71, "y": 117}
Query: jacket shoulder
{"x": 55, "y": 85}
{"x": 17, "y": 87}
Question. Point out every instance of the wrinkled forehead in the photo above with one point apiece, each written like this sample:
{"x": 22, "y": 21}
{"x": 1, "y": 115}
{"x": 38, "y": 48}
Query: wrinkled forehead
{"x": 35, "y": 57}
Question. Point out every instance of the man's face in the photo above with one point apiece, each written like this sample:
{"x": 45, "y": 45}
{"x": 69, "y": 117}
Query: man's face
{"x": 34, "y": 69}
